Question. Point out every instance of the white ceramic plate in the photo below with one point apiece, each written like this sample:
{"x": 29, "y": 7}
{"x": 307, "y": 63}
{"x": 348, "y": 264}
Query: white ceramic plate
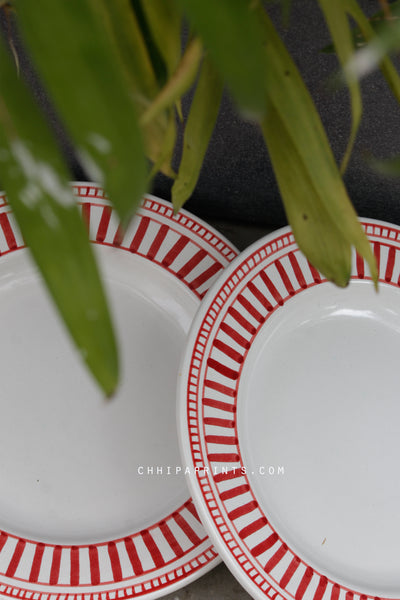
{"x": 290, "y": 422}
{"x": 93, "y": 505}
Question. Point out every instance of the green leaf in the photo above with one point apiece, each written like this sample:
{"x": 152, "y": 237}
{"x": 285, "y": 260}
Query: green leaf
{"x": 339, "y": 26}
{"x": 375, "y": 53}
{"x": 156, "y": 57}
{"x": 316, "y": 202}
{"x": 126, "y": 36}
{"x": 199, "y": 127}
{"x": 389, "y": 167}
{"x": 286, "y": 10}
{"x": 178, "y": 84}
{"x": 165, "y": 21}
{"x": 36, "y": 181}
{"x": 315, "y": 231}
{"x": 376, "y": 21}
{"x": 231, "y": 32}
{"x": 164, "y": 145}
{"x": 83, "y": 71}
{"x": 129, "y": 41}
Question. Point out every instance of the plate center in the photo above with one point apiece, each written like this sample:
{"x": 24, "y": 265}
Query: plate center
{"x": 77, "y": 468}
{"x": 319, "y": 428}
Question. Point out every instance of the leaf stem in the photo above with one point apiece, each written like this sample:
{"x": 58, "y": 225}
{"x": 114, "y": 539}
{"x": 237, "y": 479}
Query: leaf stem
{"x": 179, "y": 83}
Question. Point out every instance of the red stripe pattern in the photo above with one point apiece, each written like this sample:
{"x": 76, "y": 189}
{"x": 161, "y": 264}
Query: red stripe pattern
{"x": 10, "y": 236}
{"x": 104, "y": 224}
{"x": 55, "y": 566}
{"x": 94, "y": 565}
{"x": 171, "y": 539}
{"x": 153, "y": 548}
{"x": 167, "y": 552}
{"x": 136, "y": 590}
{"x": 360, "y": 266}
{"x": 262, "y": 283}
{"x": 186, "y": 519}
{"x": 390, "y": 264}
{"x": 75, "y": 566}
{"x": 115, "y": 561}
{"x": 16, "y": 557}
{"x": 8, "y": 231}
{"x": 36, "y": 564}
{"x": 193, "y": 254}
{"x": 180, "y": 249}
{"x": 133, "y": 556}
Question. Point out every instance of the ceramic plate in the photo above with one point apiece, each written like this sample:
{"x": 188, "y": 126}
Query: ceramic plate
{"x": 94, "y": 503}
{"x": 290, "y": 422}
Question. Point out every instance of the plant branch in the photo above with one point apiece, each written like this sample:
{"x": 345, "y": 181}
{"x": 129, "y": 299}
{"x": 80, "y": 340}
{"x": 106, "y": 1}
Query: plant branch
{"x": 179, "y": 83}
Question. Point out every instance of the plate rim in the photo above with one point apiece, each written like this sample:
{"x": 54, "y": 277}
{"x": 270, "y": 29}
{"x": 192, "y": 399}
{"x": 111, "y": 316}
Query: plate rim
{"x": 195, "y": 560}
{"x": 378, "y": 232}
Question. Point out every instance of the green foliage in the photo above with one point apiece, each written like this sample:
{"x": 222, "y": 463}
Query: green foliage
{"x": 117, "y": 72}
{"x": 38, "y": 189}
{"x": 198, "y": 130}
{"x": 316, "y": 202}
{"x": 232, "y": 33}
{"x": 337, "y": 20}
{"x": 82, "y": 70}
{"x": 361, "y": 50}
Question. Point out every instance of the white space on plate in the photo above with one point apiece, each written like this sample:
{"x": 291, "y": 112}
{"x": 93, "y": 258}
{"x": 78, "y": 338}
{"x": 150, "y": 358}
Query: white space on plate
{"x": 79, "y": 513}
{"x": 290, "y": 413}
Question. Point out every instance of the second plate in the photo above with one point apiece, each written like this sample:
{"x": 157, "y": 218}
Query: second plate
{"x": 289, "y": 407}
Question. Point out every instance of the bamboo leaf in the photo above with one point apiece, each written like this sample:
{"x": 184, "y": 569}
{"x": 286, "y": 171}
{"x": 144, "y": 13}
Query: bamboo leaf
{"x": 389, "y": 167}
{"x": 338, "y": 23}
{"x": 231, "y": 32}
{"x": 126, "y": 36}
{"x": 81, "y": 68}
{"x": 199, "y": 127}
{"x": 315, "y": 231}
{"x": 163, "y": 150}
{"x": 156, "y": 57}
{"x": 130, "y": 43}
{"x": 36, "y": 180}
{"x": 286, "y": 10}
{"x": 375, "y": 53}
{"x": 318, "y": 208}
{"x": 376, "y": 21}
{"x": 178, "y": 84}
{"x": 125, "y": 32}
{"x": 165, "y": 22}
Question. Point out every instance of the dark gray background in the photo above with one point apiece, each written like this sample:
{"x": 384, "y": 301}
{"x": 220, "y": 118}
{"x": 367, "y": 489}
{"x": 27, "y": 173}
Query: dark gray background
{"x": 237, "y": 182}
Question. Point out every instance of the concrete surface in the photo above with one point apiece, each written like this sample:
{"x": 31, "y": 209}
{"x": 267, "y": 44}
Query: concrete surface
{"x": 218, "y": 584}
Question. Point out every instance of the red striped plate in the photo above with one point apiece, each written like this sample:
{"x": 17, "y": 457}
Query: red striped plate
{"x": 289, "y": 422}
{"x": 94, "y": 501}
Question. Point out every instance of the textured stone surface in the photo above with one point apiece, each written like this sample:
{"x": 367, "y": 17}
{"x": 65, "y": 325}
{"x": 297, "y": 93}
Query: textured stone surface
{"x": 218, "y": 584}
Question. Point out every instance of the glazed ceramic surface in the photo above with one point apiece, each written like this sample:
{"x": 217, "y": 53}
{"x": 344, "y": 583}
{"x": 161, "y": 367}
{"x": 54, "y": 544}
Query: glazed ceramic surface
{"x": 94, "y": 503}
{"x": 290, "y": 412}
